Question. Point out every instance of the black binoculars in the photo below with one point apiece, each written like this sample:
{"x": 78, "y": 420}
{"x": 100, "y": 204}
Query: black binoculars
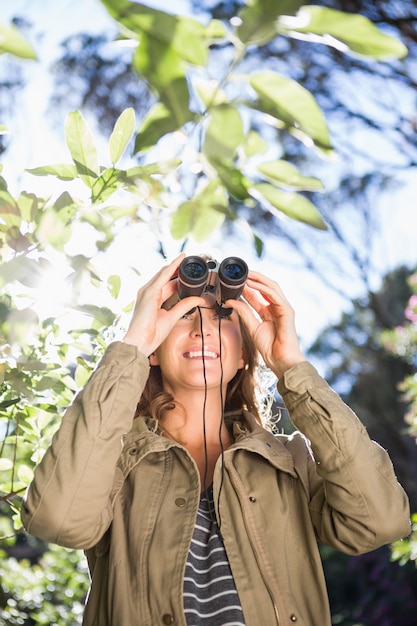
{"x": 225, "y": 280}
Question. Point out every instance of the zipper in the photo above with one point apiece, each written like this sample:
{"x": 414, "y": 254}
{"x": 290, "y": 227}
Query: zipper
{"x": 234, "y": 475}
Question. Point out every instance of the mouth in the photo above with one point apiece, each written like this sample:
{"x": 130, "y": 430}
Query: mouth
{"x": 207, "y": 355}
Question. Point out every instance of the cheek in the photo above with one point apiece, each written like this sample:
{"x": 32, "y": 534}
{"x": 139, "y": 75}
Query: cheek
{"x": 235, "y": 342}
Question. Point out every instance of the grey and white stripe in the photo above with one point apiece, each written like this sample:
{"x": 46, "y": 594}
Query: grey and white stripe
{"x": 210, "y": 596}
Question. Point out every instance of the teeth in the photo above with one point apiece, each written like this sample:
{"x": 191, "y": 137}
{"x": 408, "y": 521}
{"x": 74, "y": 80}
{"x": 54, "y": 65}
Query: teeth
{"x": 199, "y": 354}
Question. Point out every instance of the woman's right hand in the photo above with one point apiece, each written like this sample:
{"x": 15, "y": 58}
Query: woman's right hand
{"x": 151, "y": 324}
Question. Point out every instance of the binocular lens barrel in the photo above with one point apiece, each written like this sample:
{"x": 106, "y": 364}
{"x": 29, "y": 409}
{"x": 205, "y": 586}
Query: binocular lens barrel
{"x": 233, "y": 269}
{"x": 194, "y": 278}
{"x": 193, "y": 269}
{"x": 233, "y": 273}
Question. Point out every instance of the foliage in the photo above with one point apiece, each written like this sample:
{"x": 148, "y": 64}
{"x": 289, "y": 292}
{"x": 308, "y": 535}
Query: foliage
{"x": 359, "y": 366}
{"x": 402, "y": 341}
{"x": 15, "y": 45}
{"x": 211, "y": 121}
{"x": 51, "y": 591}
{"x": 13, "y": 42}
{"x": 212, "y": 107}
{"x": 370, "y": 356}
{"x": 377, "y": 350}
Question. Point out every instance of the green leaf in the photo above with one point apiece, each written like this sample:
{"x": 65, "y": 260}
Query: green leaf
{"x": 148, "y": 170}
{"x": 114, "y": 283}
{"x": 209, "y": 92}
{"x": 82, "y": 375}
{"x": 293, "y": 205}
{"x": 344, "y": 31}
{"x": 82, "y": 264}
{"x": 22, "y": 269}
{"x": 258, "y": 20}
{"x": 201, "y": 215}
{"x": 66, "y": 207}
{"x": 287, "y": 101}
{"x": 163, "y": 68}
{"x": 13, "y": 42}
{"x": 232, "y": 178}
{"x": 63, "y": 171}
{"x": 259, "y": 245}
{"x": 224, "y": 132}
{"x": 254, "y": 144}
{"x": 5, "y": 465}
{"x": 81, "y": 145}
{"x": 25, "y": 474}
{"x": 216, "y": 30}
{"x": 9, "y": 210}
{"x": 193, "y": 219}
{"x": 184, "y": 35}
{"x": 287, "y": 175}
{"x": 158, "y": 122}
{"x": 165, "y": 41}
{"x": 53, "y": 231}
{"x": 103, "y": 315}
{"x": 106, "y": 184}
{"x": 28, "y": 206}
{"x": 6, "y": 403}
{"x": 122, "y": 134}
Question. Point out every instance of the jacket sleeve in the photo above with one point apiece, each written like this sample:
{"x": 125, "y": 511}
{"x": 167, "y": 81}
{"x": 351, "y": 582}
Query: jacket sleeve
{"x": 356, "y": 502}
{"x": 68, "y": 501}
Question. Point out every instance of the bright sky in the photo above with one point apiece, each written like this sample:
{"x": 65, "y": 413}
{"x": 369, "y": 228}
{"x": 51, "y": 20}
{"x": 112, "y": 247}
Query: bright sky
{"x": 34, "y": 144}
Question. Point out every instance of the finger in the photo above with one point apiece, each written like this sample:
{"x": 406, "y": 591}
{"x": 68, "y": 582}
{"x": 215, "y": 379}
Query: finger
{"x": 168, "y": 271}
{"x": 245, "y": 313}
{"x": 169, "y": 289}
{"x": 183, "y": 306}
{"x": 270, "y": 289}
{"x": 161, "y": 286}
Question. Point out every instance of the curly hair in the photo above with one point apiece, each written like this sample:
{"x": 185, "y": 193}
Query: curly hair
{"x": 240, "y": 393}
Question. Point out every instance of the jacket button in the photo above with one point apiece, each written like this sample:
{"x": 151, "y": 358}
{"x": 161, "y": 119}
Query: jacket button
{"x": 252, "y": 499}
{"x": 180, "y": 502}
{"x": 167, "y": 619}
{"x": 293, "y": 618}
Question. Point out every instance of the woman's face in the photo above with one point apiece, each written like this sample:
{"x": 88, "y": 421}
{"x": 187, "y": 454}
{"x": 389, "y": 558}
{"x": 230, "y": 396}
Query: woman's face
{"x": 195, "y": 355}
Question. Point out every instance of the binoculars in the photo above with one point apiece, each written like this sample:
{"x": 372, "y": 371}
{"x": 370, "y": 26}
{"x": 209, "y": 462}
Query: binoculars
{"x": 225, "y": 280}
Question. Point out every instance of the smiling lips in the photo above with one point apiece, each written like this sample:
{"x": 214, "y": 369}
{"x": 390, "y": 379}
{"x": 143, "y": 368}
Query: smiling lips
{"x": 199, "y": 354}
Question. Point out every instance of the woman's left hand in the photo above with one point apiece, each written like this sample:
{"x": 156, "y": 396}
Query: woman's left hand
{"x": 273, "y": 328}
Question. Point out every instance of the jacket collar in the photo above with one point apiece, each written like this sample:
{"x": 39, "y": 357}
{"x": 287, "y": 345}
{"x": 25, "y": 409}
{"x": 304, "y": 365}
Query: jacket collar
{"x": 251, "y": 436}
{"x": 248, "y": 434}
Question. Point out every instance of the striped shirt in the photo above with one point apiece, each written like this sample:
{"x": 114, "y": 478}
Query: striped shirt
{"x": 210, "y": 596}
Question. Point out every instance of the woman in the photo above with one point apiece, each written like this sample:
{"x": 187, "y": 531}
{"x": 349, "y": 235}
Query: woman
{"x": 192, "y": 513}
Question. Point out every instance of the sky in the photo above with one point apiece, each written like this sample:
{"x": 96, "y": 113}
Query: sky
{"x": 33, "y": 143}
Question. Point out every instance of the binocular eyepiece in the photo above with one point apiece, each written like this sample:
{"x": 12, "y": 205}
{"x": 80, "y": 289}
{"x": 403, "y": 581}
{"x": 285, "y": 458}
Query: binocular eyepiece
{"x": 225, "y": 280}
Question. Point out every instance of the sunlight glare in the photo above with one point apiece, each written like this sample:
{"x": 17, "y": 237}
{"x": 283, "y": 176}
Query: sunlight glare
{"x": 52, "y": 294}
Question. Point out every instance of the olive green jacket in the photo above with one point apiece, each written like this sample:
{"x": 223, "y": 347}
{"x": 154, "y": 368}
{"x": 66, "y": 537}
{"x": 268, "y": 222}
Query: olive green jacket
{"x": 113, "y": 486}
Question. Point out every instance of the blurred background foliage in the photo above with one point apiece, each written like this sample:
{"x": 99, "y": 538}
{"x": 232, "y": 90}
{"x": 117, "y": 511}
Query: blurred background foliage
{"x": 263, "y": 123}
